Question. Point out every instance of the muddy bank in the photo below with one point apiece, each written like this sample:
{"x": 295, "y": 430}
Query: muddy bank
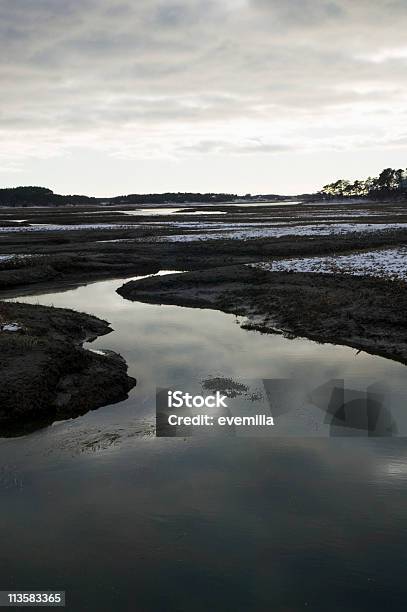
{"x": 364, "y": 313}
{"x": 46, "y": 374}
{"x": 71, "y": 268}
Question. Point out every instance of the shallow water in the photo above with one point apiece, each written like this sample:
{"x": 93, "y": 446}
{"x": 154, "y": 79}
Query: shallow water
{"x": 149, "y": 211}
{"x": 122, "y": 520}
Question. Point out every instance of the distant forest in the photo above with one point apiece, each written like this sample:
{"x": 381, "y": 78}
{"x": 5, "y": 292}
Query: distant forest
{"x": 390, "y": 183}
{"x": 177, "y": 198}
{"x": 41, "y": 196}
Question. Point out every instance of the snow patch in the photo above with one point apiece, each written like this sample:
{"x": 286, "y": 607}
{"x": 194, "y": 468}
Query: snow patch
{"x": 49, "y": 227}
{"x": 11, "y": 327}
{"x": 278, "y": 232}
{"x": 387, "y": 263}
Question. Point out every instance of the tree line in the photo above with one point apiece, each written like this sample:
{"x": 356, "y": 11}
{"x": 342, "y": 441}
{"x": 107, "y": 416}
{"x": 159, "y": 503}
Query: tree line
{"x": 389, "y": 183}
{"x": 41, "y": 196}
{"x": 174, "y": 198}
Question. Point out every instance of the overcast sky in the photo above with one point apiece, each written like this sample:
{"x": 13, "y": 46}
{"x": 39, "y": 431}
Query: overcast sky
{"x": 275, "y": 96}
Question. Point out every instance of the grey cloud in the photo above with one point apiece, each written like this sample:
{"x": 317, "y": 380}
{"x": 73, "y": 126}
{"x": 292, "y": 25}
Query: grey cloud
{"x": 170, "y": 15}
{"x": 303, "y": 12}
{"x": 113, "y": 63}
{"x": 221, "y": 147}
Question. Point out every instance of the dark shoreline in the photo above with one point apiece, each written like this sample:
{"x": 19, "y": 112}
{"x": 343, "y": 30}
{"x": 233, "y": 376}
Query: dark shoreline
{"x": 46, "y": 373}
{"x": 363, "y": 313}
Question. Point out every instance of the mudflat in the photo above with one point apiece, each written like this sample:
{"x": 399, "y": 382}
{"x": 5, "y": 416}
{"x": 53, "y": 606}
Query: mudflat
{"x": 364, "y": 313}
{"x": 57, "y": 245}
{"x": 46, "y": 374}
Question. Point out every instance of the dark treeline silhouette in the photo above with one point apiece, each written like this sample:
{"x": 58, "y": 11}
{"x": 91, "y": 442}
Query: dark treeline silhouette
{"x": 177, "y": 198}
{"x": 41, "y": 196}
{"x": 389, "y": 184}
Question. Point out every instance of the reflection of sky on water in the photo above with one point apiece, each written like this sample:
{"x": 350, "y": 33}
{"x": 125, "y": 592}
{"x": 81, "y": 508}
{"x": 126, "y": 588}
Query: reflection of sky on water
{"x": 170, "y": 346}
{"x": 204, "y": 524}
{"x": 198, "y": 525}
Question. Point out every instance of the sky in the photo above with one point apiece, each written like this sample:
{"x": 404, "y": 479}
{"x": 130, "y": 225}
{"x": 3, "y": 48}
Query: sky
{"x": 106, "y": 97}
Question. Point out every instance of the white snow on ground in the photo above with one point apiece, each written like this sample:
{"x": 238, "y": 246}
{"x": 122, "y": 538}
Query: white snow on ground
{"x": 49, "y": 227}
{"x": 387, "y": 263}
{"x": 116, "y": 240}
{"x": 197, "y": 230}
{"x": 19, "y": 256}
{"x": 278, "y": 232}
{"x": 212, "y": 226}
{"x": 346, "y": 214}
{"x": 10, "y": 327}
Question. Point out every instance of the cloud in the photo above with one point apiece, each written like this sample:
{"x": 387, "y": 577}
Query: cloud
{"x": 221, "y": 147}
{"x": 181, "y": 77}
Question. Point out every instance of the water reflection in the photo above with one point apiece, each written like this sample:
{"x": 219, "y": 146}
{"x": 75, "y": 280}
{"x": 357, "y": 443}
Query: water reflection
{"x": 139, "y": 523}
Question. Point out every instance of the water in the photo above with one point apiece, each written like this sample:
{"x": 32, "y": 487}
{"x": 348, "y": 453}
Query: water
{"x": 121, "y": 520}
{"x": 140, "y": 212}
{"x": 166, "y": 210}
{"x": 260, "y": 203}
{"x": 149, "y": 211}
